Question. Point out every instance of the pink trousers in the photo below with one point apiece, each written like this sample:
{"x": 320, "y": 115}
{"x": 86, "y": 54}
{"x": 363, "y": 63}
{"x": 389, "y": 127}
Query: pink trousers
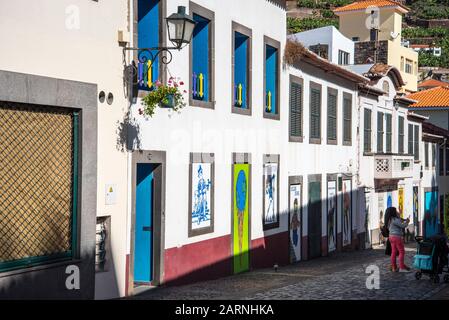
{"x": 397, "y": 245}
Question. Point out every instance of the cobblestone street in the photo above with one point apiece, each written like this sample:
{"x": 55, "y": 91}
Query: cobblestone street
{"x": 340, "y": 277}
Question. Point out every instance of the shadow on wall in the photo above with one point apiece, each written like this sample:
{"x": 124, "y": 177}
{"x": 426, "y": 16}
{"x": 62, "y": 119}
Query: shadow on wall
{"x": 128, "y": 134}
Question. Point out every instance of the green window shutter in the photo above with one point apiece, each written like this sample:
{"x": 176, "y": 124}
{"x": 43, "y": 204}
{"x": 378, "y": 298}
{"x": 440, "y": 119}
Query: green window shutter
{"x": 410, "y": 139}
{"x": 315, "y": 113}
{"x": 380, "y": 132}
{"x": 367, "y": 130}
{"x": 295, "y": 109}
{"x": 332, "y": 116}
{"x": 416, "y": 142}
{"x": 401, "y": 135}
{"x": 388, "y": 135}
{"x": 347, "y": 119}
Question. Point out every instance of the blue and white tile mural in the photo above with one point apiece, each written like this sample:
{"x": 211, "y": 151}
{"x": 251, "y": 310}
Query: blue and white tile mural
{"x": 271, "y": 195}
{"x": 201, "y": 195}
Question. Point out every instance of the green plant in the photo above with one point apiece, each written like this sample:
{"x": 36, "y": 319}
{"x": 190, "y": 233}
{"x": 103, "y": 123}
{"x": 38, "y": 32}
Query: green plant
{"x": 295, "y": 25}
{"x": 169, "y": 96}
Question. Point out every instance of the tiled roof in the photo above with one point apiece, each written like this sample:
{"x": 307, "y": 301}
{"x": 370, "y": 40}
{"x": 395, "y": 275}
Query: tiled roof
{"x": 361, "y": 5}
{"x": 437, "y": 97}
{"x": 432, "y": 83}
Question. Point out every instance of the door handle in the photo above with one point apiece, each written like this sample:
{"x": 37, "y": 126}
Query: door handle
{"x": 147, "y": 228}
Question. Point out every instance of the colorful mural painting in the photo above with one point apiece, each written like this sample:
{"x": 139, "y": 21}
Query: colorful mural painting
{"x": 271, "y": 215}
{"x": 347, "y": 212}
{"x": 201, "y": 195}
{"x": 367, "y": 220}
{"x": 430, "y": 213}
{"x": 401, "y": 202}
{"x": 389, "y": 199}
{"x": 332, "y": 215}
{"x": 241, "y": 217}
{"x": 295, "y": 222}
{"x": 416, "y": 210}
{"x": 381, "y": 210}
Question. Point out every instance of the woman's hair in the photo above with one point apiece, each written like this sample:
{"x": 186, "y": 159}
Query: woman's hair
{"x": 390, "y": 213}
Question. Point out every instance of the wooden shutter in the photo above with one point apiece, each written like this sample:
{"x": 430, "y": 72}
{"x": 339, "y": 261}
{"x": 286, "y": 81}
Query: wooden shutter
{"x": 401, "y": 135}
{"x": 380, "y": 132}
{"x": 410, "y": 139}
{"x": 295, "y": 109}
{"x": 347, "y": 119}
{"x": 416, "y": 142}
{"x": 367, "y": 130}
{"x": 388, "y": 133}
{"x": 315, "y": 116}
{"x": 332, "y": 116}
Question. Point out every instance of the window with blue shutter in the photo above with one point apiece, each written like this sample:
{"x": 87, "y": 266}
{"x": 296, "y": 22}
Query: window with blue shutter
{"x": 148, "y": 12}
{"x": 271, "y": 96}
{"x": 241, "y": 70}
{"x": 201, "y": 59}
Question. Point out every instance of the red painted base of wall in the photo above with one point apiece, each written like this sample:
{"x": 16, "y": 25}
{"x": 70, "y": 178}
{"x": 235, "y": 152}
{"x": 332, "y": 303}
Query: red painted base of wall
{"x": 204, "y": 260}
{"x": 324, "y": 248}
{"x": 268, "y": 251}
{"x": 305, "y": 248}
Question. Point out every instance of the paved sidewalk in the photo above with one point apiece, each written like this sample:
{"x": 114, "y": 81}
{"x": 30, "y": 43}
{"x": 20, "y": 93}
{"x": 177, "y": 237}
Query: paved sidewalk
{"x": 339, "y": 277}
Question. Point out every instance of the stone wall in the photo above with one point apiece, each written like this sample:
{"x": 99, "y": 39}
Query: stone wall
{"x": 370, "y": 52}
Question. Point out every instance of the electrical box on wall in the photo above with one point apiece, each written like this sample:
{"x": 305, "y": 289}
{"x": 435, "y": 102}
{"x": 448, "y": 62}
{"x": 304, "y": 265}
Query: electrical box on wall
{"x": 123, "y": 36}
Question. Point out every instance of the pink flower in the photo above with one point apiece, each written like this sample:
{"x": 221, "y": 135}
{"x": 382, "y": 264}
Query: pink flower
{"x": 185, "y": 91}
{"x": 140, "y": 111}
{"x": 181, "y": 83}
{"x": 158, "y": 83}
{"x": 176, "y": 85}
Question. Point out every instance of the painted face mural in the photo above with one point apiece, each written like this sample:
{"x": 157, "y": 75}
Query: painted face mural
{"x": 201, "y": 197}
{"x": 295, "y": 222}
{"x": 331, "y": 215}
{"x": 241, "y": 218}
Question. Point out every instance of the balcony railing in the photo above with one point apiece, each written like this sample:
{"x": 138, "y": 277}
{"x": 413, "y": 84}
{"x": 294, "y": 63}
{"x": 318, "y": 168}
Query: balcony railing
{"x": 393, "y": 166}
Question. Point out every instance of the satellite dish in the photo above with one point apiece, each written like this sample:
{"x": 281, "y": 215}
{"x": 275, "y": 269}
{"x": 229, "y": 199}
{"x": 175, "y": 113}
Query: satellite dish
{"x": 394, "y": 35}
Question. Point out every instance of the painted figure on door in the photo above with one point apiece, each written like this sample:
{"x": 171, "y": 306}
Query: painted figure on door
{"x": 331, "y": 221}
{"x": 295, "y": 223}
{"x": 241, "y": 192}
{"x": 201, "y": 210}
{"x": 346, "y": 213}
{"x": 269, "y": 190}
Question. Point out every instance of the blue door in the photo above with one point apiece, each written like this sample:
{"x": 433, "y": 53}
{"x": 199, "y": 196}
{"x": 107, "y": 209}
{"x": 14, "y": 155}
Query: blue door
{"x": 143, "y": 252}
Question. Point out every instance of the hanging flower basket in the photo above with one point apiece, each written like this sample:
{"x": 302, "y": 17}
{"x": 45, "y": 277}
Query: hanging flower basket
{"x": 168, "y": 96}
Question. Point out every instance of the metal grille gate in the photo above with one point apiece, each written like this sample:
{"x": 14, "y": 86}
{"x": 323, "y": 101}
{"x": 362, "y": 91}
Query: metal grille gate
{"x": 38, "y": 179}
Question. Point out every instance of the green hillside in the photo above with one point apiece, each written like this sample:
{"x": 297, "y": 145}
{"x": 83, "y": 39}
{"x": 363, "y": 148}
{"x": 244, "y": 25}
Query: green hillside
{"x": 420, "y": 9}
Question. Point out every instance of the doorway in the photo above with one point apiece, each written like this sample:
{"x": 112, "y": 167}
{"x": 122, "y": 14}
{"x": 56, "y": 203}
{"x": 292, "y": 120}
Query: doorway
{"x": 314, "y": 218}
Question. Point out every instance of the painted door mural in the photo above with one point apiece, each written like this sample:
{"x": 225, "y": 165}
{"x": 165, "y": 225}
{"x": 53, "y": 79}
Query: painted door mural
{"x": 201, "y": 195}
{"x": 389, "y": 199}
{"x": 241, "y": 218}
{"x": 295, "y": 222}
{"x": 401, "y": 202}
{"x": 430, "y": 213}
{"x": 143, "y": 246}
{"x": 314, "y": 219}
{"x": 271, "y": 215}
{"x": 331, "y": 215}
{"x": 347, "y": 212}
{"x": 416, "y": 210}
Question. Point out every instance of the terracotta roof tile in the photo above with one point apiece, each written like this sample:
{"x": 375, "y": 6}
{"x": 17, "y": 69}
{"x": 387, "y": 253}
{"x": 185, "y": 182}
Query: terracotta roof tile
{"x": 361, "y": 5}
{"x": 432, "y": 83}
{"x": 437, "y": 97}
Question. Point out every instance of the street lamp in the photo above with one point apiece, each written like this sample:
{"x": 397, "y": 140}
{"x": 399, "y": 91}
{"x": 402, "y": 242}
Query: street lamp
{"x": 180, "y": 31}
{"x": 180, "y": 27}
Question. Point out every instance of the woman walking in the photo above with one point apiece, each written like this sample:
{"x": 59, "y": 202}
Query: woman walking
{"x": 396, "y": 226}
